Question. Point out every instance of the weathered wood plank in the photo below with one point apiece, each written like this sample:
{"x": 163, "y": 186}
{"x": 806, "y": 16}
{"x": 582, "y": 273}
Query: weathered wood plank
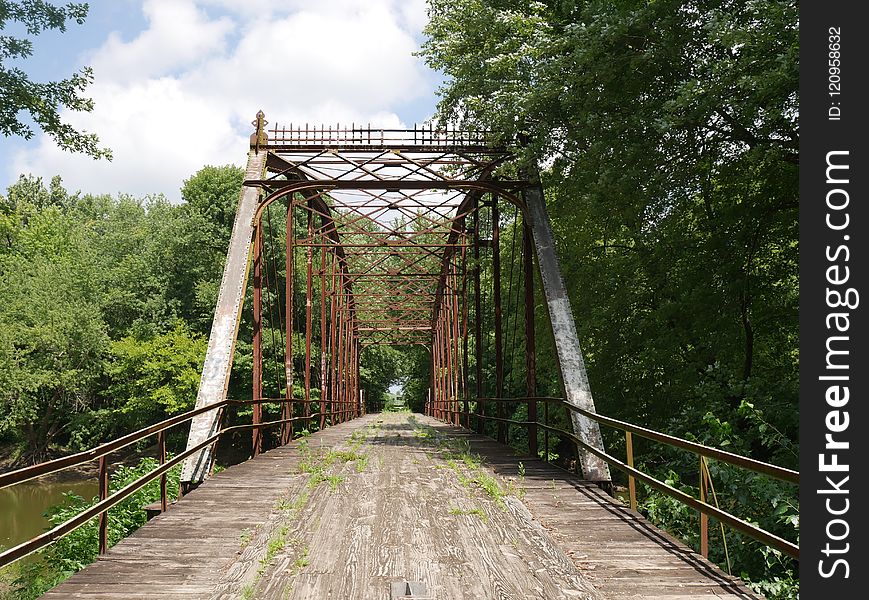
{"x": 409, "y": 509}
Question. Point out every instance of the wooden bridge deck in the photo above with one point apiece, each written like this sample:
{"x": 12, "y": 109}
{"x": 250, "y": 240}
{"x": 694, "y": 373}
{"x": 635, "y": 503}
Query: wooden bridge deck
{"x": 392, "y": 498}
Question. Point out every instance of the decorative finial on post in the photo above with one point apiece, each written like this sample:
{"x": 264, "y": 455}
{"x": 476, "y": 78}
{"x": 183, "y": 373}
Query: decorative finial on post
{"x": 259, "y": 137}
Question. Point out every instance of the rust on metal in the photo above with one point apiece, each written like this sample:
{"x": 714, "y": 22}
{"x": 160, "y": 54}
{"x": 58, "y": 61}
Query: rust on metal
{"x": 227, "y": 314}
{"x": 530, "y": 346}
{"x": 499, "y": 328}
{"x": 287, "y": 409}
{"x": 257, "y": 392}
{"x": 387, "y": 240}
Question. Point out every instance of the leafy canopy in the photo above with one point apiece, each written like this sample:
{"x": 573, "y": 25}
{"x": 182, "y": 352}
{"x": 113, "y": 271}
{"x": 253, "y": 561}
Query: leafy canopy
{"x": 43, "y": 102}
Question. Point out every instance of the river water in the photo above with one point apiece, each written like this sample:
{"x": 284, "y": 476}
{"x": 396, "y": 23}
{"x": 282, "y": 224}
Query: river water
{"x": 23, "y": 506}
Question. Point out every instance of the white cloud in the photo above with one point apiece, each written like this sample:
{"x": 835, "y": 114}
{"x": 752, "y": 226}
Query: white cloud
{"x": 179, "y": 35}
{"x": 182, "y": 93}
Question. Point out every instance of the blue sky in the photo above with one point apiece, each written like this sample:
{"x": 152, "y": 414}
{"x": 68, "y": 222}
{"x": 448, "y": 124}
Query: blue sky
{"x": 177, "y": 82}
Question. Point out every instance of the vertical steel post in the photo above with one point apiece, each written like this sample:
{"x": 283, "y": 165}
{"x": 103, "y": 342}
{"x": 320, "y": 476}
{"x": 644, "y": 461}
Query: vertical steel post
{"x": 257, "y": 391}
{"x": 457, "y": 363}
{"x": 478, "y": 320}
{"x": 546, "y": 430}
{"x": 339, "y": 365}
{"x": 323, "y": 330}
{"x": 104, "y": 493}
{"x": 351, "y": 397}
{"x": 309, "y": 292}
{"x": 348, "y": 357}
{"x": 342, "y": 358}
{"x": 530, "y": 346}
{"x": 704, "y": 518}
{"x": 499, "y": 350}
{"x": 443, "y": 391}
{"x": 357, "y": 388}
{"x": 334, "y": 323}
{"x": 466, "y": 393}
{"x": 449, "y": 338}
{"x": 345, "y": 369}
{"x": 287, "y": 409}
{"x": 436, "y": 370}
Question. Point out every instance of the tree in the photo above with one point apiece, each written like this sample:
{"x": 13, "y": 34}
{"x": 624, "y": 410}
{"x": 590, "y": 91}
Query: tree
{"x": 670, "y": 134}
{"x": 213, "y": 192}
{"x": 42, "y": 101}
{"x": 671, "y": 128}
{"x": 156, "y": 377}
{"x": 52, "y": 337}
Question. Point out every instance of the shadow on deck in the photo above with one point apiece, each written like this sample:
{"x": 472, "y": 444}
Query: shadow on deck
{"x": 394, "y": 507}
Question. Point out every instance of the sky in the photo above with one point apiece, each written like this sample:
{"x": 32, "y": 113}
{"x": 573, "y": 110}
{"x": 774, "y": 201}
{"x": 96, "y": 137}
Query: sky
{"x": 178, "y": 82}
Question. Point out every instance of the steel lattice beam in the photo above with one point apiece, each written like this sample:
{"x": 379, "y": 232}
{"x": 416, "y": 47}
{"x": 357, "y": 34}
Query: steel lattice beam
{"x": 388, "y": 221}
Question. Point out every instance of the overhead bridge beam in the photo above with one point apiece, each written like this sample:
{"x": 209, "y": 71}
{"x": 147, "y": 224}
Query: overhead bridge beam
{"x": 449, "y": 239}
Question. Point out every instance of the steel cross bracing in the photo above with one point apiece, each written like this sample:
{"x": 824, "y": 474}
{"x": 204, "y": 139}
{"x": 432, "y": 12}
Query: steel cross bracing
{"x": 394, "y": 197}
{"x": 383, "y": 237}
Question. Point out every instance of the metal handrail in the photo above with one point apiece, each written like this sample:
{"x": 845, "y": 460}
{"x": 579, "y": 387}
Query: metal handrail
{"x": 738, "y": 460}
{"x": 749, "y": 529}
{"x": 58, "y": 464}
{"x": 751, "y": 464}
{"x": 108, "y": 501}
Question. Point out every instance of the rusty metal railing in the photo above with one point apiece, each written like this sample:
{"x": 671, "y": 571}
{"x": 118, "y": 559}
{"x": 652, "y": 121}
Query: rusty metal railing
{"x": 100, "y": 453}
{"x": 702, "y": 451}
{"x": 295, "y": 134}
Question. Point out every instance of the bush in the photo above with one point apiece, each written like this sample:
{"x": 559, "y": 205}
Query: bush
{"x": 79, "y": 548}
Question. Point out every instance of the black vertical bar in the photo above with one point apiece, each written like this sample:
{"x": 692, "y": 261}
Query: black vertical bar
{"x": 833, "y": 223}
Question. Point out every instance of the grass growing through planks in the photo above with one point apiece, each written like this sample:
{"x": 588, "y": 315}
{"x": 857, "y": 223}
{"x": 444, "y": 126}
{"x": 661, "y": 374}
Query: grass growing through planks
{"x": 246, "y": 537}
{"x": 317, "y": 463}
{"x": 454, "y": 510}
{"x": 276, "y": 544}
{"x": 467, "y": 465}
{"x": 303, "y": 560}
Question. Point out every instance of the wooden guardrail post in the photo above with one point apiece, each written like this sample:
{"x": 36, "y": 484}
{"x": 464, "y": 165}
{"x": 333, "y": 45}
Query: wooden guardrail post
{"x": 632, "y": 483}
{"x": 104, "y": 516}
{"x": 161, "y": 449}
{"x": 704, "y": 519}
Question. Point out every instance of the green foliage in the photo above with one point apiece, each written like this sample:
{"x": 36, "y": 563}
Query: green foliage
{"x": 79, "y": 548}
{"x": 51, "y": 352}
{"x": 379, "y": 368}
{"x": 670, "y": 134}
{"x": 106, "y": 304}
{"x": 157, "y": 373}
{"x": 42, "y": 101}
{"x": 213, "y": 192}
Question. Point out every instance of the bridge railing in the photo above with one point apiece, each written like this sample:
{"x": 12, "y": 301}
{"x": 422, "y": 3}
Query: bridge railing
{"x": 101, "y": 452}
{"x": 628, "y": 468}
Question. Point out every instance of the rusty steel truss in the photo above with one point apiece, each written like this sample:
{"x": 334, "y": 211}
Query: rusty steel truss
{"x": 384, "y": 240}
